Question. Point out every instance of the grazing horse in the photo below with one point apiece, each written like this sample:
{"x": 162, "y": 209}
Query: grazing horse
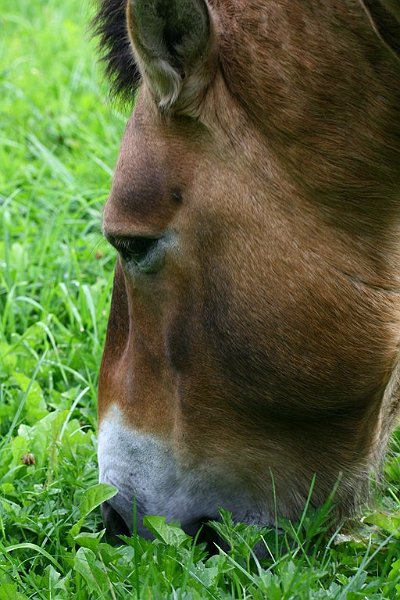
{"x": 252, "y": 349}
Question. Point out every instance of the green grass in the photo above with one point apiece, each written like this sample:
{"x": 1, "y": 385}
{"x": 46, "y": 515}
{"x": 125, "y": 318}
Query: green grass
{"x": 58, "y": 142}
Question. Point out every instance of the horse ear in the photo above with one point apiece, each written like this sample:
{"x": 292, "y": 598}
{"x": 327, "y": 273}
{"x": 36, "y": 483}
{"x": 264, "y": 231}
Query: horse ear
{"x": 174, "y": 45}
{"x": 385, "y": 19}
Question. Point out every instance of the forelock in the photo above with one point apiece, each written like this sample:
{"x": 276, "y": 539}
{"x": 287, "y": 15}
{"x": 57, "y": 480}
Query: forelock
{"x": 109, "y": 26}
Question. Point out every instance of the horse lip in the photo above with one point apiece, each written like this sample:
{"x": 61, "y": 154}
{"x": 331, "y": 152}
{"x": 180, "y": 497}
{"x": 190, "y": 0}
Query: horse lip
{"x": 199, "y": 528}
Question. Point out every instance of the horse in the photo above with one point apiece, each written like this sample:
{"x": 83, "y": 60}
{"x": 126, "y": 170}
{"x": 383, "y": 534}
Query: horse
{"x": 252, "y": 354}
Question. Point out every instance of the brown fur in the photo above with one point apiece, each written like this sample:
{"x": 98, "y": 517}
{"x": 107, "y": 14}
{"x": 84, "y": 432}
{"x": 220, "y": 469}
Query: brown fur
{"x": 270, "y": 338}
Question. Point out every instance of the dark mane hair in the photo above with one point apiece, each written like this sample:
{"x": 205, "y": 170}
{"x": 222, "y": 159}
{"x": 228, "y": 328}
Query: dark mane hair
{"x": 109, "y": 26}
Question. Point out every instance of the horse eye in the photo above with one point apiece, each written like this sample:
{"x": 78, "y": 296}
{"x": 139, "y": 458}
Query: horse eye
{"x": 136, "y": 248}
{"x": 144, "y": 253}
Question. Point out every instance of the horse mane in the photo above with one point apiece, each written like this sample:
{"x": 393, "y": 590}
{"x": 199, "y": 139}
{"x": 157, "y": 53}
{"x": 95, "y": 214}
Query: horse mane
{"x": 110, "y": 28}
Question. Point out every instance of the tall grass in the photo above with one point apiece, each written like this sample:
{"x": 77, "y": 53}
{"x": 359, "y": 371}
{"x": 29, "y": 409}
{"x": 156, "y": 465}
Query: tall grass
{"x": 58, "y": 142}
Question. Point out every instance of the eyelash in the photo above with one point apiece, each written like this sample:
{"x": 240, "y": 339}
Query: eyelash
{"x": 135, "y": 248}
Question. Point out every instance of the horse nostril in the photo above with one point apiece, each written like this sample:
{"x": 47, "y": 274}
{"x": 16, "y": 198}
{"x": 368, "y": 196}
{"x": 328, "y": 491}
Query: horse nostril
{"x": 211, "y": 538}
{"x": 113, "y": 521}
{"x": 206, "y": 534}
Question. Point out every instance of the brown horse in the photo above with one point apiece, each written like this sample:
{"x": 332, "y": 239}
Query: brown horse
{"x": 253, "y": 340}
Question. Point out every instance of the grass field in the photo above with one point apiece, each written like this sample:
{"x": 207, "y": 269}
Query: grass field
{"x": 59, "y": 139}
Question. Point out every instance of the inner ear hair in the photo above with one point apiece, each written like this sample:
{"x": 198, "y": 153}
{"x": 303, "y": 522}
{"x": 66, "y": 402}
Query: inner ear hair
{"x": 393, "y": 6}
{"x": 384, "y": 16}
{"x": 172, "y": 41}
